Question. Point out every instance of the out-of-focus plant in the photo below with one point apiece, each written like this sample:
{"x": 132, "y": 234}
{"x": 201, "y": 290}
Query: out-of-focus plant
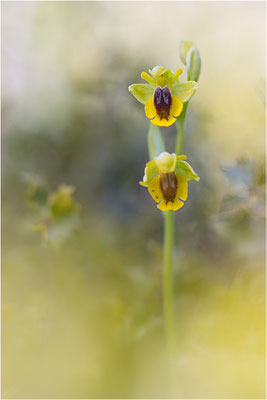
{"x": 55, "y": 214}
{"x": 245, "y": 202}
{"x": 166, "y": 175}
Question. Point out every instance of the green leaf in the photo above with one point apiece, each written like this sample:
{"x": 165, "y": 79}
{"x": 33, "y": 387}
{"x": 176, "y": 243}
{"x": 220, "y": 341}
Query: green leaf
{"x": 183, "y": 168}
{"x": 141, "y": 91}
{"x": 36, "y": 191}
{"x": 155, "y": 142}
{"x": 184, "y": 90}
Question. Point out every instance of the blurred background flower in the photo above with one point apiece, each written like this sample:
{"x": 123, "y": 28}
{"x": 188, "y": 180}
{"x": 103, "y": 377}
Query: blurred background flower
{"x": 84, "y": 320}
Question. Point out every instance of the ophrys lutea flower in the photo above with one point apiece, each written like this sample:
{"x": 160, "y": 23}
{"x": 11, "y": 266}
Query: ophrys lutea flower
{"x": 166, "y": 179}
{"x": 163, "y": 95}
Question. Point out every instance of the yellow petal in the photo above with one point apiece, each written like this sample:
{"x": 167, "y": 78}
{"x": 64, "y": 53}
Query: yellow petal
{"x": 166, "y": 206}
{"x": 177, "y": 204}
{"x": 181, "y": 157}
{"x": 148, "y": 78}
{"x": 163, "y": 122}
{"x": 177, "y": 106}
{"x": 150, "y": 109}
{"x": 163, "y": 206}
{"x": 182, "y": 190}
{"x": 176, "y": 75}
{"x": 154, "y": 189}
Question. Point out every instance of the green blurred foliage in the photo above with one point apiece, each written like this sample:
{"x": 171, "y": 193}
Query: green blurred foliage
{"x": 83, "y": 319}
{"x": 54, "y": 215}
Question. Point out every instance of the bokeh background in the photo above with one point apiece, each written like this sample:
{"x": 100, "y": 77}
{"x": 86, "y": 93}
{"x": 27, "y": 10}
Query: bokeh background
{"x": 82, "y": 316}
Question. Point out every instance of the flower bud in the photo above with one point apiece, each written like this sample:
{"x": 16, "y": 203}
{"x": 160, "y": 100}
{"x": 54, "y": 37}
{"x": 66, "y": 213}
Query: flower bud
{"x": 193, "y": 64}
{"x": 190, "y": 57}
{"x": 185, "y": 46}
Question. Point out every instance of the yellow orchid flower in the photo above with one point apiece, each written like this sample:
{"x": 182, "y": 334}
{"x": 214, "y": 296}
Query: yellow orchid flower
{"x": 166, "y": 179}
{"x": 163, "y": 95}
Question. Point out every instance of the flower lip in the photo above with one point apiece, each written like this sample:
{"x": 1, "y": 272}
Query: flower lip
{"x": 168, "y": 186}
{"x": 163, "y": 101}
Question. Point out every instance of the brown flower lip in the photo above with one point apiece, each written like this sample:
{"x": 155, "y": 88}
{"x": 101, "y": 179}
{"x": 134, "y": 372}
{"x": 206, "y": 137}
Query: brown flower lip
{"x": 163, "y": 101}
{"x": 168, "y": 185}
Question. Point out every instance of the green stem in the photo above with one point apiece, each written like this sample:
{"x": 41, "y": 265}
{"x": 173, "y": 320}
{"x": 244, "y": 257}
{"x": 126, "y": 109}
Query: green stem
{"x": 180, "y": 131}
{"x": 168, "y": 288}
{"x": 168, "y": 264}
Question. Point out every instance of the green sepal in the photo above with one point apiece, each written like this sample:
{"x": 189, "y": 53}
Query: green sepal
{"x": 183, "y": 168}
{"x": 157, "y": 71}
{"x": 141, "y": 91}
{"x": 155, "y": 142}
{"x": 184, "y": 90}
{"x": 151, "y": 172}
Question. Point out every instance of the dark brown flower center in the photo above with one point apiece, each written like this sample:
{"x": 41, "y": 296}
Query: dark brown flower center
{"x": 163, "y": 101}
{"x": 168, "y": 186}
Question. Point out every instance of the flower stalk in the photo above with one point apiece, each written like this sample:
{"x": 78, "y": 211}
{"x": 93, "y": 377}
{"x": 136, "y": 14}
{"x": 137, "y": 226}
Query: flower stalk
{"x": 180, "y": 131}
{"x": 166, "y": 177}
{"x": 167, "y": 289}
{"x": 169, "y": 234}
